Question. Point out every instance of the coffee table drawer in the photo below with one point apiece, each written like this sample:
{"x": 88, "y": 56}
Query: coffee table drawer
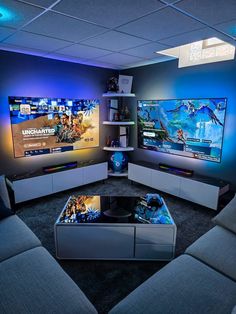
{"x": 159, "y": 234}
{"x": 152, "y": 251}
{"x": 96, "y": 242}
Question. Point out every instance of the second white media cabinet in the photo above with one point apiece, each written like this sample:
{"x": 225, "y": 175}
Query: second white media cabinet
{"x": 202, "y": 190}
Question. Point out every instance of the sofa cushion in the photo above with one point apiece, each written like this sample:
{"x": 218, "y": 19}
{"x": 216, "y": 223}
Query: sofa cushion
{"x": 227, "y": 217}
{"x": 33, "y": 282}
{"x": 4, "y": 211}
{"x": 183, "y": 286}
{"x": 15, "y": 237}
{"x": 217, "y": 248}
{"x": 234, "y": 310}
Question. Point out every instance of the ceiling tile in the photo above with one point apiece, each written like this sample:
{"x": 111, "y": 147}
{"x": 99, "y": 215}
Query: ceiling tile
{"x": 24, "y": 39}
{"x": 82, "y": 51}
{"x": 189, "y": 37}
{"x": 118, "y": 58}
{"x": 57, "y": 56}
{"x": 170, "y": 1}
{"x": 159, "y": 59}
{"x": 164, "y": 23}
{"x": 228, "y": 28}
{"x": 146, "y": 51}
{"x": 110, "y": 13}
{"x": 97, "y": 63}
{"x": 63, "y": 27}
{"x": 114, "y": 41}
{"x": 41, "y": 3}
{"x": 5, "y": 32}
{"x": 16, "y": 14}
{"x": 28, "y": 51}
{"x": 210, "y": 11}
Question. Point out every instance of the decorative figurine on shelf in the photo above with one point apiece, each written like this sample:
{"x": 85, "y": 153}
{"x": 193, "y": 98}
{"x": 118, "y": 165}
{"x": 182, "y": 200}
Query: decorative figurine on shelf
{"x": 112, "y": 85}
{"x": 126, "y": 114}
{"x": 122, "y": 113}
{"x": 116, "y": 116}
{"x": 115, "y": 143}
{"x": 108, "y": 141}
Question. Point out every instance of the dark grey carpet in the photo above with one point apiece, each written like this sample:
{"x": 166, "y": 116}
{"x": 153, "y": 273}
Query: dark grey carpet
{"x": 107, "y": 282}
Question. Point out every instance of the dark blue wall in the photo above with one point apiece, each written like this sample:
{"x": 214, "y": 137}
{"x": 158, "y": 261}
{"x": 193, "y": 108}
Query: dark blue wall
{"x": 24, "y": 75}
{"x": 166, "y": 81}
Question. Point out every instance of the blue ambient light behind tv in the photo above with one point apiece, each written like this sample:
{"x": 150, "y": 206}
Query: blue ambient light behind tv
{"x": 186, "y": 127}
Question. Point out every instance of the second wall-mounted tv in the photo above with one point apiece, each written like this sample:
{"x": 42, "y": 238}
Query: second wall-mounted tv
{"x": 186, "y": 127}
{"x": 43, "y": 125}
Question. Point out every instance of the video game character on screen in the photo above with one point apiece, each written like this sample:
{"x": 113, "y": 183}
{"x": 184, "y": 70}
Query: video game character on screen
{"x": 180, "y": 136}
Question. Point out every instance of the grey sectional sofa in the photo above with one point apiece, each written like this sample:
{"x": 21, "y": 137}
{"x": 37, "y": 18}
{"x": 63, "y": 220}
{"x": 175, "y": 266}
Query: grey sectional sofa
{"x": 31, "y": 280}
{"x": 203, "y": 280}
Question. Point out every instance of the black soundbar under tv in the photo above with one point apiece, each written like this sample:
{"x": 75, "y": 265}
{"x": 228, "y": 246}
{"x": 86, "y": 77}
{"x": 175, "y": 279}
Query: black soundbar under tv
{"x": 176, "y": 170}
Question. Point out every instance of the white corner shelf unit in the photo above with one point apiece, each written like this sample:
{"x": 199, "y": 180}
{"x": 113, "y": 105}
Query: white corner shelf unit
{"x": 120, "y": 124}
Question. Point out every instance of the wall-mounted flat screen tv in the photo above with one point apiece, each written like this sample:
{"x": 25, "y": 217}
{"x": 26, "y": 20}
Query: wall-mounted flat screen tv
{"x": 186, "y": 127}
{"x": 53, "y": 125}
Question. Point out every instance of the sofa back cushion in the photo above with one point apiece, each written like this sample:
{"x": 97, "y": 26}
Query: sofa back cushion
{"x": 227, "y": 217}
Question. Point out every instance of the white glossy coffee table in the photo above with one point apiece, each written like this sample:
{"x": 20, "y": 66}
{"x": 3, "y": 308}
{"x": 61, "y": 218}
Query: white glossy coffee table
{"x": 115, "y": 233}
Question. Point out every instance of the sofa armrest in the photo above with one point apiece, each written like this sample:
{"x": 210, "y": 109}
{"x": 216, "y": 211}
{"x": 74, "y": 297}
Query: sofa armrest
{"x": 227, "y": 217}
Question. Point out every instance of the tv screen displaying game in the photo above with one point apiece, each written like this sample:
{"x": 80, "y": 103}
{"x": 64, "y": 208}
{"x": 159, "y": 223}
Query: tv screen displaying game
{"x": 53, "y": 125}
{"x": 186, "y": 127}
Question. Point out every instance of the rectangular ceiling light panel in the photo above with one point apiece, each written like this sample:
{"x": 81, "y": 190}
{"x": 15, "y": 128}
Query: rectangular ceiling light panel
{"x": 201, "y": 53}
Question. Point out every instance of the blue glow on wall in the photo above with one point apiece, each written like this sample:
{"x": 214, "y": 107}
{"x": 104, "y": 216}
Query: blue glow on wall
{"x": 167, "y": 81}
{"x": 6, "y": 15}
{"x": 211, "y": 81}
{"x": 232, "y": 30}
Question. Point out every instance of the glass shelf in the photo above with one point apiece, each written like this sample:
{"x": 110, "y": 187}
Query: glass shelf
{"x": 118, "y": 122}
{"x": 118, "y": 95}
{"x": 118, "y": 149}
{"x": 118, "y": 174}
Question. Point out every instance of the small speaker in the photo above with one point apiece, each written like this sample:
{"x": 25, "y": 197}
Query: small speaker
{"x": 176, "y": 170}
{"x": 61, "y": 167}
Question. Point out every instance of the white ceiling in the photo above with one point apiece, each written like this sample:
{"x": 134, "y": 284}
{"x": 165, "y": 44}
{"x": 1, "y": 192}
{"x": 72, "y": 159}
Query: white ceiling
{"x": 110, "y": 33}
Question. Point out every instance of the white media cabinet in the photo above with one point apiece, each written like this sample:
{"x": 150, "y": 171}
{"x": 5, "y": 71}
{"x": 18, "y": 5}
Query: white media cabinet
{"x": 45, "y": 184}
{"x": 202, "y": 190}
